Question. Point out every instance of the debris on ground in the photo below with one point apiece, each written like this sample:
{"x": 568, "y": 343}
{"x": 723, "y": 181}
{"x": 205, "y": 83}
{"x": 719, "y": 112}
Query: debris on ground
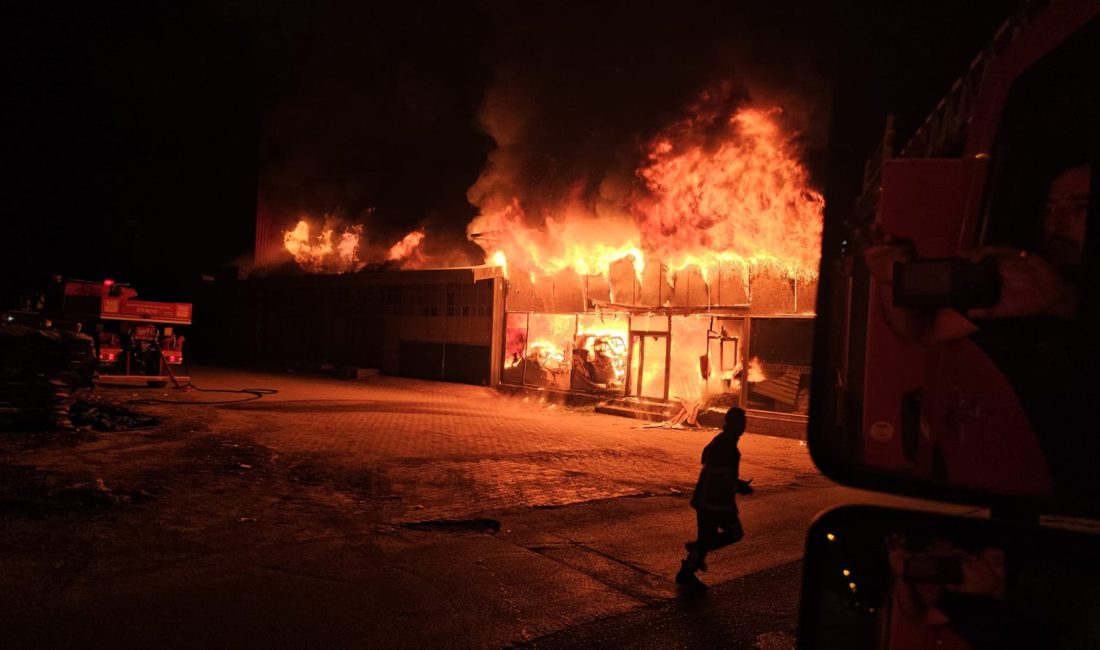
{"x": 39, "y": 369}
{"x": 85, "y": 495}
{"x": 27, "y": 491}
{"x": 102, "y": 416}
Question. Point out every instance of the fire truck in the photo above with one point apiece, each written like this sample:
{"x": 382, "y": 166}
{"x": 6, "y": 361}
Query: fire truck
{"x": 136, "y": 341}
{"x": 1000, "y": 408}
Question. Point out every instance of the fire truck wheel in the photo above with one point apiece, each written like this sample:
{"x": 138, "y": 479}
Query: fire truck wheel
{"x": 156, "y": 384}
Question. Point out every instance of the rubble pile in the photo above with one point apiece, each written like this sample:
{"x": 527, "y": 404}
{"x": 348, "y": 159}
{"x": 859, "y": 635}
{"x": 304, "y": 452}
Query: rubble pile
{"x": 39, "y": 369}
{"x": 108, "y": 417}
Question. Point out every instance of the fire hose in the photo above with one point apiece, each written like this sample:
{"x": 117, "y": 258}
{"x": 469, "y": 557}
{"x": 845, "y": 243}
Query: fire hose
{"x": 255, "y": 393}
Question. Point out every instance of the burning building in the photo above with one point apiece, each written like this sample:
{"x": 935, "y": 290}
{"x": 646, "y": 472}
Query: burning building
{"x": 687, "y": 284}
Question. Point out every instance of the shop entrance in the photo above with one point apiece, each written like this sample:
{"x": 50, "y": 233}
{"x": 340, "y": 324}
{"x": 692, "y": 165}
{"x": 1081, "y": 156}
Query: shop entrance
{"x": 649, "y": 357}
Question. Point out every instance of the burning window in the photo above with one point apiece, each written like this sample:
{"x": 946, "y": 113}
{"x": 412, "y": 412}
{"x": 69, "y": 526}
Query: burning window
{"x": 724, "y": 359}
{"x": 779, "y": 370}
{"x": 603, "y": 338}
{"x": 548, "y": 360}
{"x": 515, "y": 348}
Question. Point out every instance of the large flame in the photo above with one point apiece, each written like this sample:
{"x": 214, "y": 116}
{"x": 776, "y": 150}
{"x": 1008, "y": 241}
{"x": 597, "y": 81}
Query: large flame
{"x": 335, "y": 248}
{"x": 325, "y": 251}
{"x": 746, "y": 199}
{"x": 718, "y": 188}
{"x": 572, "y": 240}
{"x": 407, "y": 247}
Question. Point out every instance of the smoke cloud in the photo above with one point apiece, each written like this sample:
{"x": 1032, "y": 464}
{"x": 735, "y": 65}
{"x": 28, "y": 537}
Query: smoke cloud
{"x": 579, "y": 91}
{"x": 425, "y": 116}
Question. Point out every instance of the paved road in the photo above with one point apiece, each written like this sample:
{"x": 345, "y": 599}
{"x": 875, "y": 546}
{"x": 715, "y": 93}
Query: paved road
{"x": 758, "y": 611}
{"x": 391, "y": 513}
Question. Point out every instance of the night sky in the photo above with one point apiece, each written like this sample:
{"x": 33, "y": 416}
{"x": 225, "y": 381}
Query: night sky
{"x": 138, "y": 138}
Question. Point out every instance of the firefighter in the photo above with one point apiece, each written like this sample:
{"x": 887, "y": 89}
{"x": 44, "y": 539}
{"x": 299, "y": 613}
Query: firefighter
{"x": 714, "y": 500}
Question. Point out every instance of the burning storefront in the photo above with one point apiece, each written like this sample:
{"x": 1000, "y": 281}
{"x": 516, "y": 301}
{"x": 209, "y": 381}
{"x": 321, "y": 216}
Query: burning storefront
{"x": 688, "y": 283}
{"x": 696, "y": 290}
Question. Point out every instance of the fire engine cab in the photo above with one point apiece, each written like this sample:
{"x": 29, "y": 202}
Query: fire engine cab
{"x": 957, "y": 362}
{"x": 135, "y": 340}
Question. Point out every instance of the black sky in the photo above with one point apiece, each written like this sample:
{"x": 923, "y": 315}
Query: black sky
{"x": 136, "y": 136}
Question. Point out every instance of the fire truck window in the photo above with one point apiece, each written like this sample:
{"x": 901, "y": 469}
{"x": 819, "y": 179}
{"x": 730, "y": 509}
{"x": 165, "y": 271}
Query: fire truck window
{"x": 1049, "y": 125}
{"x": 778, "y": 368}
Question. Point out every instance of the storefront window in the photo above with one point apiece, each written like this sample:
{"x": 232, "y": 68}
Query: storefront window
{"x": 779, "y": 366}
{"x": 515, "y": 348}
{"x": 648, "y": 356}
{"x": 688, "y": 363}
{"x": 603, "y": 339}
{"x": 648, "y": 367}
{"x": 725, "y": 362}
{"x": 549, "y": 350}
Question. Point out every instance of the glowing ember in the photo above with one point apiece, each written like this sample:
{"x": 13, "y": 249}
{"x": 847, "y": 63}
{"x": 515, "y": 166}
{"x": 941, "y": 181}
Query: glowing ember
{"x": 325, "y": 251}
{"x": 717, "y": 188}
{"x": 405, "y": 248}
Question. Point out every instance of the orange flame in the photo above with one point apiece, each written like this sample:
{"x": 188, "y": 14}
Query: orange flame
{"x": 405, "y": 248}
{"x": 739, "y": 198}
{"x": 610, "y": 339}
{"x": 756, "y": 371}
{"x": 344, "y": 249}
{"x": 746, "y": 200}
{"x": 548, "y": 355}
{"x": 576, "y": 241}
{"x": 324, "y": 252}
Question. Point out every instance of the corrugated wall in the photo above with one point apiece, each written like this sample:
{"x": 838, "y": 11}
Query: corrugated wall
{"x": 760, "y": 291}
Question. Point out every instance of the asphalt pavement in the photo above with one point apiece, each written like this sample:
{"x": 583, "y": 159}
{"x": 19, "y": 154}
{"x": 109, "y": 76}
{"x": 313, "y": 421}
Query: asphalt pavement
{"x": 393, "y": 513}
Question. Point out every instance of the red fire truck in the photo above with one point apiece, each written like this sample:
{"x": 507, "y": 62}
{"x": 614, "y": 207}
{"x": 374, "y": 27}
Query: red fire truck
{"x": 136, "y": 340}
{"x": 1002, "y": 406}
